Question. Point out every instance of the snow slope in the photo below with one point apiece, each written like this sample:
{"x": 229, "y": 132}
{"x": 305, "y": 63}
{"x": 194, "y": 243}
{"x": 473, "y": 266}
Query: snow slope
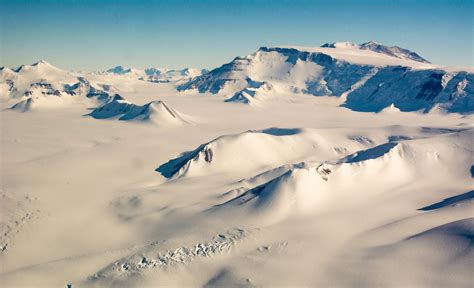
{"x": 311, "y": 188}
{"x": 393, "y": 51}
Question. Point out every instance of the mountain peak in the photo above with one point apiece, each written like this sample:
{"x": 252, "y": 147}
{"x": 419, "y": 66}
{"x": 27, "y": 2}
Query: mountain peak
{"x": 371, "y": 43}
{"x": 40, "y": 62}
{"x": 119, "y": 70}
{"x": 37, "y": 65}
{"x": 340, "y": 45}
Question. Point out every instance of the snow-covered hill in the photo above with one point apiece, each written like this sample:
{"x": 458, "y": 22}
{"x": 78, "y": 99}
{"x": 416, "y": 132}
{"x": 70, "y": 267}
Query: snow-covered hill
{"x": 369, "y": 76}
{"x": 156, "y": 112}
{"x": 311, "y": 187}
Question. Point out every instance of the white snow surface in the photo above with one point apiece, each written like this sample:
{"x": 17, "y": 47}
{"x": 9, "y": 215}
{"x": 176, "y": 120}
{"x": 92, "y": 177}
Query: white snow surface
{"x": 118, "y": 182}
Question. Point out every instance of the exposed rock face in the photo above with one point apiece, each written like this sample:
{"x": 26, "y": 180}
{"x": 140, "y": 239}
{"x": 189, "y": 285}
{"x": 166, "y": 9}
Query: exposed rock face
{"x": 366, "y": 87}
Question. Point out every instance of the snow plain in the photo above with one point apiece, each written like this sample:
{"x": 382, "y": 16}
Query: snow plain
{"x": 298, "y": 192}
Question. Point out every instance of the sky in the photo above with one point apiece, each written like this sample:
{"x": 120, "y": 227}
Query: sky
{"x": 96, "y": 35}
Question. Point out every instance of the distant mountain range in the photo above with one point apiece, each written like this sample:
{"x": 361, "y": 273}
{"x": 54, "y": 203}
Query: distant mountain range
{"x": 159, "y": 75}
{"x": 365, "y": 77}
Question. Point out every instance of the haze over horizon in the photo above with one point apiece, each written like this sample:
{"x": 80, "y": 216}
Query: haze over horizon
{"x": 205, "y": 34}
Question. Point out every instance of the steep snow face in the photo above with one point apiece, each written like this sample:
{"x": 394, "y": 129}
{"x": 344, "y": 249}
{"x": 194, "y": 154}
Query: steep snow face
{"x": 393, "y": 51}
{"x": 410, "y": 90}
{"x": 370, "y": 81}
{"x": 156, "y": 112}
{"x": 285, "y": 70}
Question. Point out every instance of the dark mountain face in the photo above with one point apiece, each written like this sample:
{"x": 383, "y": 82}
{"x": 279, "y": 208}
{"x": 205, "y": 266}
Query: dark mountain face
{"x": 367, "y": 87}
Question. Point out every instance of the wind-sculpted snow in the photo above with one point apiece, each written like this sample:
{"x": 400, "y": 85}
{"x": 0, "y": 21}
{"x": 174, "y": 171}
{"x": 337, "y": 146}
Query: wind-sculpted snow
{"x": 297, "y": 191}
{"x": 16, "y": 212}
{"x": 311, "y": 187}
{"x": 154, "y": 257}
{"x": 289, "y": 146}
{"x": 254, "y": 153}
{"x": 372, "y": 153}
{"x": 23, "y": 106}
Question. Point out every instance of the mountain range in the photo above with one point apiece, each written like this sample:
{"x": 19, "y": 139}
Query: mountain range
{"x": 364, "y": 77}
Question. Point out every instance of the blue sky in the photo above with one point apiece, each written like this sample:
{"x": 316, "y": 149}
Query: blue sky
{"x": 100, "y": 34}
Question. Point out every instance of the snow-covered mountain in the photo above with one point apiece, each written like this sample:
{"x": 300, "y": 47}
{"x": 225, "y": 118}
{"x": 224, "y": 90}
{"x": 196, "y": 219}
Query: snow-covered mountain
{"x": 306, "y": 187}
{"x": 42, "y": 85}
{"x": 289, "y": 145}
{"x": 367, "y": 77}
{"x": 157, "y": 75}
{"x": 121, "y": 70}
{"x": 156, "y": 112}
{"x": 393, "y": 51}
{"x": 15, "y": 82}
